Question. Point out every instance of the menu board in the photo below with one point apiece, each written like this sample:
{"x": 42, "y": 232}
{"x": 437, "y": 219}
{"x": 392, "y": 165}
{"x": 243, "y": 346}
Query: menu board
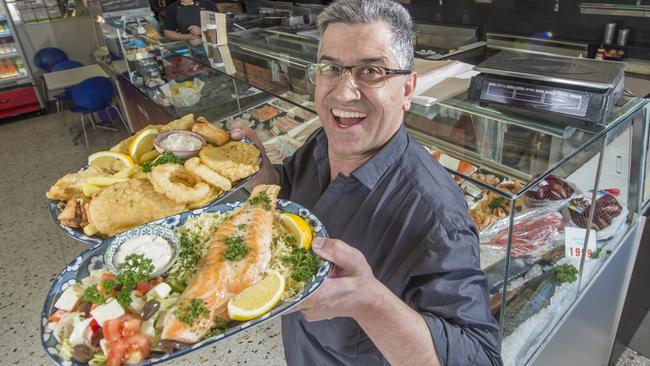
{"x": 114, "y": 6}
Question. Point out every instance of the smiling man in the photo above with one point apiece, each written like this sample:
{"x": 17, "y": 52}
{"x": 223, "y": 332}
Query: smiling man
{"x": 407, "y": 288}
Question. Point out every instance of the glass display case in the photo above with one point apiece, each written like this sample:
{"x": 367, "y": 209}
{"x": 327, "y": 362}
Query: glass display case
{"x": 553, "y": 199}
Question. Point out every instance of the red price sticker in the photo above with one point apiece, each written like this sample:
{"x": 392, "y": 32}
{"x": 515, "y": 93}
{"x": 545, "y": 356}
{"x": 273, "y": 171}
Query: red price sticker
{"x": 574, "y": 239}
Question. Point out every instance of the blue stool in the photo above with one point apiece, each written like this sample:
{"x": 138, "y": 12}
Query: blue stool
{"x": 46, "y": 58}
{"x": 67, "y": 93}
{"x": 94, "y": 95}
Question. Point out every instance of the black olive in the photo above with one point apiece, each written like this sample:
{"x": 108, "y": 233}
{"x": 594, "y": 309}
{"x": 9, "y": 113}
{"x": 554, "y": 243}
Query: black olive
{"x": 82, "y": 353}
{"x": 84, "y": 308}
{"x": 149, "y": 309}
{"x": 169, "y": 346}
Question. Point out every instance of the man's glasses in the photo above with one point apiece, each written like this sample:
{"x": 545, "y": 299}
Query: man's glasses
{"x": 370, "y": 76}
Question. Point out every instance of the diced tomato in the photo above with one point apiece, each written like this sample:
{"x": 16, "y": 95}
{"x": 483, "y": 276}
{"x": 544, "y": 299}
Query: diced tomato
{"x": 131, "y": 349}
{"x": 131, "y": 326}
{"x": 54, "y": 318}
{"x": 124, "y": 326}
{"x": 116, "y": 351}
{"x": 144, "y": 286}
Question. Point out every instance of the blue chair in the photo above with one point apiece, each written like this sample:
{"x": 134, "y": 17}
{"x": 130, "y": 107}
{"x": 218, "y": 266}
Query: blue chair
{"x": 94, "y": 95}
{"x": 67, "y": 93}
{"x": 46, "y": 58}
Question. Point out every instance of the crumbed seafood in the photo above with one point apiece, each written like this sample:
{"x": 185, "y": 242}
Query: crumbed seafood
{"x": 235, "y": 160}
{"x": 124, "y": 205}
{"x": 211, "y": 133}
{"x": 74, "y": 214}
{"x": 208, "y": 175}
{"x": 70, "y": 186}
{"x": 177, "y": 183}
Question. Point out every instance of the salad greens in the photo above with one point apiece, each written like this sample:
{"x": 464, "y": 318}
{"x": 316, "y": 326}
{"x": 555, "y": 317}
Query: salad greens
{"x": 566, "y": 273}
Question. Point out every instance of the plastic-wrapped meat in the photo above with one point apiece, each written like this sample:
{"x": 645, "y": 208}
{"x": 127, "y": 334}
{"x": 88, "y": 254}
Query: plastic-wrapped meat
{"x": 551, "y": 188}
{"x": 529, "y": 233}
{"x": 607, "y": 208}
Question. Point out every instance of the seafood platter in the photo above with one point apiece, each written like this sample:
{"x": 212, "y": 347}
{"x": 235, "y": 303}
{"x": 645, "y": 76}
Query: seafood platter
{"x": 160, "y": 171}
{"x": 273, "y": 118}
{"x": 174, "y": 285}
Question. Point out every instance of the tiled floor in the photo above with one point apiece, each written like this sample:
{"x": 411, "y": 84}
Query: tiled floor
{"x": 33, "y": 154}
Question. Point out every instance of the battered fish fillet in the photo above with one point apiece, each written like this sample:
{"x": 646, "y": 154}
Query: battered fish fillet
{"x": 124, "y": 205}
{"x": 217, "y": 280}
{"x": 69, "y": 186}
{"x": 235, "y": 160}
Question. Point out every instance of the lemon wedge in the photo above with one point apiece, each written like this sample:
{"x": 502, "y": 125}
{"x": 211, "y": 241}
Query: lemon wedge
{"x": 257, "y": 299}
{"x": 110, "y": 160}
{"x": 142, "y": 143}
{"x": 298, "y": 228}
{"x": 149, "y": 156}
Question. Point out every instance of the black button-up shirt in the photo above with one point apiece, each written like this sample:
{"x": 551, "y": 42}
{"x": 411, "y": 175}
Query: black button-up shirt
{"x": 403, "y": 211}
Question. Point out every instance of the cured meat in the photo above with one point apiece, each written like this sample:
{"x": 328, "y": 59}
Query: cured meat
{"x": 607, "y": 208}
{"x": 529, "y": 233}
{"x": 551, "y": 188}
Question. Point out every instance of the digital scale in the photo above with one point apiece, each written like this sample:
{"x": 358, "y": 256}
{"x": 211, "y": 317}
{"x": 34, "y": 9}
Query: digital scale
{"x": 580, "y": 88}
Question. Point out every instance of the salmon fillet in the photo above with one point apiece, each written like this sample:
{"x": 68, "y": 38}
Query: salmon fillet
{"x": 217, "y": 280}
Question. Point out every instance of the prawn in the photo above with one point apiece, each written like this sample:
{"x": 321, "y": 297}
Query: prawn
{"x": 211, "y": 177}
{"x": 161, "y": 179}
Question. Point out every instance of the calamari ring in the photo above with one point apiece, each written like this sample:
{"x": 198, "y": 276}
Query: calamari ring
{"x": 211, "y": 177}
{"x": 161, "y": 179}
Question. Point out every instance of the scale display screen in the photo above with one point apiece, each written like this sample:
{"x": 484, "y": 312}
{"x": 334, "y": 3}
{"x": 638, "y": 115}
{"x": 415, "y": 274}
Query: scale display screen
{"x": 569, "y": 102}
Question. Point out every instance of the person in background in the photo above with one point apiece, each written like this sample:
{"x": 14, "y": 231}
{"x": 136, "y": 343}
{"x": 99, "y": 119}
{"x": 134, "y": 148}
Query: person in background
{"x": 407, "y": 287}
{"x": 183, "y": 23}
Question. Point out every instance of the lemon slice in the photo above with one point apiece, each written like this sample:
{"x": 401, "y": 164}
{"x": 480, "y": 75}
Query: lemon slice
{"x": 142, "y": 143}
{"x": 298, "y": 228}
{"x": 257, "y": 299}
{"x": 110, "y": 160}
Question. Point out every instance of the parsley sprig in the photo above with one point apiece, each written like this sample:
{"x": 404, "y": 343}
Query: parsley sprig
{"x": 261, "y": 200}
{"x": 236, "y": 249}
{"x": 304, "y": 263}
{"x": 566, "y": 273}
{"x": 192, "y": 312}
{"x": 165, "y": 158}
{"x": 135, "y": 268}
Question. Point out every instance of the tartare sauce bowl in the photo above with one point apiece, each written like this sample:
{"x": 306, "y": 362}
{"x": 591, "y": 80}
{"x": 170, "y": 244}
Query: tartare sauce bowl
{"x": 183, "y": 154}
{"x": 166, "y": 233}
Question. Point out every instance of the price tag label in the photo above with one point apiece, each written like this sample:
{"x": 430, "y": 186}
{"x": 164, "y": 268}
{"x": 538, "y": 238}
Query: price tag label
{"x": 574, "y": 239}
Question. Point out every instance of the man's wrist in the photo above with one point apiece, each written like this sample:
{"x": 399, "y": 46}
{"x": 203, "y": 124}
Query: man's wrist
{"x": 370, "y": 301}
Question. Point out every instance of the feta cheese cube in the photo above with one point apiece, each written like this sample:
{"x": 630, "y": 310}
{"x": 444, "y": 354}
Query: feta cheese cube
{"x": 109, "y": 311}
{"x": 161, "y": 290}
{"x": 69, "y": 298}
{"x": 82, "y": 333}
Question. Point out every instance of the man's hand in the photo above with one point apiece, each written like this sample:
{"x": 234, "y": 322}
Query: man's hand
{"x": 194, "y": 30}
{"x": 348, "y": 292}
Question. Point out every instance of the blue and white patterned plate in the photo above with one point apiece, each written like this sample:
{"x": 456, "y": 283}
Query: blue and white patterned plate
{"x": 78, "y": 234}
{"x": 93, "y": 259}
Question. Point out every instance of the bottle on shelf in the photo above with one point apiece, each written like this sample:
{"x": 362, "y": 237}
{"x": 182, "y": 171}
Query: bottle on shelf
{"x": 20, "y": 67}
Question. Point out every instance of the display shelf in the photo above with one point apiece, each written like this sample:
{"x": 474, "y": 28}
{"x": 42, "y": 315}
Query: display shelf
{"x": 13, "y": 79}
